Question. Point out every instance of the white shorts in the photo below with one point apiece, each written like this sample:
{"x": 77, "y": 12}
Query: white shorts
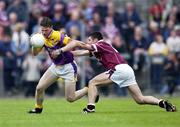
{"x": 123, "y": 75}
{"x": 67, "y": 72}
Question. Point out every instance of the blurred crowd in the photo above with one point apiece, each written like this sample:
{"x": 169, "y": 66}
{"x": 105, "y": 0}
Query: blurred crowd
{"x": 150, "y": 44}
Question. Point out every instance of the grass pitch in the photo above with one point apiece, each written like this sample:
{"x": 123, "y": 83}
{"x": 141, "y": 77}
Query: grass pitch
{"x": 116, "y": 112}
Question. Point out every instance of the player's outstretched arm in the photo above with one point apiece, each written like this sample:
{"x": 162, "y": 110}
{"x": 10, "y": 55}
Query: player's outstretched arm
{"x": 76, "y": 43}
{"x": 72, "y": 44}
{"x": 35, "y": 50}
{"x": 80, "y": 53}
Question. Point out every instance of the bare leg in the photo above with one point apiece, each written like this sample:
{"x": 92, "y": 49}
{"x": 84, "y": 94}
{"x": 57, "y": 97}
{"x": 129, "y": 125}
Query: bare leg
{"x": 99, "y": 80}
{"x": 70, "y": 91}
{"x": 92, "y": 92}
{"x": 139, "y": 98}
{"x": 46, "y": 80}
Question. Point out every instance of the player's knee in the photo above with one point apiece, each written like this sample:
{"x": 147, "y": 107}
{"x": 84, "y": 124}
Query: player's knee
{"x": 70, "y": 99}
{"x": 39, "y": 89}
{"x": 139, "y": 100}
{"x": 92, "y": 82}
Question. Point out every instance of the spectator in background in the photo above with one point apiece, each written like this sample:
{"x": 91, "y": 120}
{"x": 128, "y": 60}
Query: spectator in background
{"x": 73, "y": 5}
{"x": 59, "y": 18}
{"x": 171, "y": 72}
{"x": 2, "y": 33}
{"x": 74, "y": 22}
{"x": 172, "y": 17}
{"x": 45, "y": 6}
{"x": 37, "y": 27}
{"x": 119, "y": 44}
{"x": 152, "y": 32}
{"x": 31, "y": 68}
{"x": 3, "y": 15}
{"x": 177, "y": 29}
{"x": 74, "y": 33}
{"x": 101, "y": 8}
{"x": 13, "y": 19}
{"x": 139, "y": 48}
{"x": 111, "y": 12}
{"x": 130, "y": 19}
{"x": 158, "y": 52}
{"x": 174, "y": 14}
{"x": 20, "y": 8}
{"x": 178, "y": 15}
{"x": 173, "y": 42}
{"x": 8, "y": 63}
{"x": 156, "y": 11}
{"x": 87, "y": 9}
{"x": 167, "y": 29}
{"x": 109, "y": 28}
{"x": 20, "y": 47}
{"x": 95, "y": 24}
{"x": 34, "y": 16}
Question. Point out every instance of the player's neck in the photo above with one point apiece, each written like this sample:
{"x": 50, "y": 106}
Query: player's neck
{"x": 49, "y": 34}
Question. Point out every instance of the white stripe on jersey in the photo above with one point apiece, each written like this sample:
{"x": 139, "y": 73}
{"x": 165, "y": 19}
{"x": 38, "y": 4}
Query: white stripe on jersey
{"x": 95, "y": 47}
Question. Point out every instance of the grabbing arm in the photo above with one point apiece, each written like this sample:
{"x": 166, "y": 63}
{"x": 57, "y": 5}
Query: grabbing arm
{"x": 72, "y": 44}
{"x": 81, "y": 53}
{"x": 75, "y": 43}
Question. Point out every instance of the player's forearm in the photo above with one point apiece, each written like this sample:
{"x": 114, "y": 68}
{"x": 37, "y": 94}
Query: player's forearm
{"x": 80, "y": 53}
{"x": 70, "y": 46}
{"x": 86, "y": 47}
{"x": 76, "y": 43}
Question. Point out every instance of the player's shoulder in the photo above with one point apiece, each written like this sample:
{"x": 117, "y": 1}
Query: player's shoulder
{"x": 55, "y": 33}
{"x": 102, "y": 43}
{"x": 58, "y": 34}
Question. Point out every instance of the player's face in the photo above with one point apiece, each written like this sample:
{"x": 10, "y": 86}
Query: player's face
{"x": 90, "y": 40}
{"x": 46, "y": 31}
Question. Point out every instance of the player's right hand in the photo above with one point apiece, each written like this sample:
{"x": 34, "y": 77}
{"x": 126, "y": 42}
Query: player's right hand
{"x": 56, "y": 53}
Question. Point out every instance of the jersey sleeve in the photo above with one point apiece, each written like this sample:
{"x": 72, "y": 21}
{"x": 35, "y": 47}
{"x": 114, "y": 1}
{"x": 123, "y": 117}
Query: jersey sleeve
{"x": 66, "y": 40}
{"x": 63, "y": 38}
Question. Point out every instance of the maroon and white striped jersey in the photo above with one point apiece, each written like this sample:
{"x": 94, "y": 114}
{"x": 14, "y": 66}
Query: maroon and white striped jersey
{"x": 107, "y": 55}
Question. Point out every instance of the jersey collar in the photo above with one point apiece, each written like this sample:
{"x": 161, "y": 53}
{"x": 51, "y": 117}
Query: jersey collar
{"x": 49, "y": 34}
{"x": 101, "y": 40}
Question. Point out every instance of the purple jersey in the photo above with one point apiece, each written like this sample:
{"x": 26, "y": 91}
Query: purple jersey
{"x": 107, "y": 55}
{"x": 55, "y": 41}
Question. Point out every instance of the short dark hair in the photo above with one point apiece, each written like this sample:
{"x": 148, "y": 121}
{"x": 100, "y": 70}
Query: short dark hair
{"x": 96, "y": 35}
{"x": 46, "y": 22}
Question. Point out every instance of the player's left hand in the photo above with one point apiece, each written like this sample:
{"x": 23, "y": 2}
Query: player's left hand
{"x": 56, "y": 53}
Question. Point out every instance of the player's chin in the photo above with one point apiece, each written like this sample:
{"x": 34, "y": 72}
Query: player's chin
{"x": 45, "y": 35}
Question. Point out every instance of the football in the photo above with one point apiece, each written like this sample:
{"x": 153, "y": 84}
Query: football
{"x": 37, "y": 40}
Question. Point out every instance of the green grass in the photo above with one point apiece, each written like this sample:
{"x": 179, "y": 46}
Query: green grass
{"x": 118, "y": 112}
